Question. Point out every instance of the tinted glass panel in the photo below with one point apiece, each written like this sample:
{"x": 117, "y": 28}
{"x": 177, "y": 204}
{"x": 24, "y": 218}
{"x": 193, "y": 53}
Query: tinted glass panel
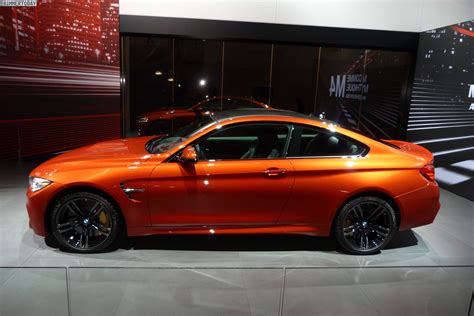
{"x": 151, "y": 65}
{"x": 387, "y": 76}
{"x": 308, "y": 141}
{"x": 232, "y": 104}
{"x": 198, "y": 71}
{"x": 211, "y": 105}
{"x": 341, "y": 75}
{"x": 294, "y": 77}
{"x": 250, "y": 141}
{"x": 223, "y": 104}
{"x": 247, "y": 70}
{"x": 360, "y": 89}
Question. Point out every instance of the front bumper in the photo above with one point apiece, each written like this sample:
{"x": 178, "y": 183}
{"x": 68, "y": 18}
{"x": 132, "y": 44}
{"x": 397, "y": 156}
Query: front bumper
{"x": 36, "y": 205}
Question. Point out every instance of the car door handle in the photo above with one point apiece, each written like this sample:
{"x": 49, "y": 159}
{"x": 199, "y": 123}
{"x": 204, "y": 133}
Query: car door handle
{"x": 274, "y": 172}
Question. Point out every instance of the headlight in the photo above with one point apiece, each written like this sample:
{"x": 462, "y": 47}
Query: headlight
{"x": 143, "y": 120}
{"x": 37, "y": 184}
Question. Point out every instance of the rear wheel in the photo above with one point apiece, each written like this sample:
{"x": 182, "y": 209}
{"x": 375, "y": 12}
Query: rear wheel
{"x": 365, "y": 225}
{"x": 85, "y": 222}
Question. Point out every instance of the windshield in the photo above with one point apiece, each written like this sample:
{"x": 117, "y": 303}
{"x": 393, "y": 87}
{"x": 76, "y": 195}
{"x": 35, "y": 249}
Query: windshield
{"x": 163, "y": 144}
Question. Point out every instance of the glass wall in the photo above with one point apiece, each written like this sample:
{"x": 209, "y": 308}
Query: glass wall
{"x": 198, "y": 71}
{"x": 380, "y": 111}
{"x": 358, "y": 88}
{"x": 338, "y": 96}
{"x": 247, "y": 70}
{"x": 294, "y": 77}
{"x": 150, "y": 75}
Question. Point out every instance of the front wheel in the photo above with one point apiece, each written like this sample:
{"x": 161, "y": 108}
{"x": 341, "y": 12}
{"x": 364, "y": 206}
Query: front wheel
{"x": 85, "y": 222}
{"x": 365, "y": 225}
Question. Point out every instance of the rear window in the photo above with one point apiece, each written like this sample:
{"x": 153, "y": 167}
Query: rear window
{"x": 316, "y": 142}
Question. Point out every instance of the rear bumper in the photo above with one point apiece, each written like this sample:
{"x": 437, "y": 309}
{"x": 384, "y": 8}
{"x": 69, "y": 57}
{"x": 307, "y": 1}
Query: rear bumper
{"x": 419, "y": 207}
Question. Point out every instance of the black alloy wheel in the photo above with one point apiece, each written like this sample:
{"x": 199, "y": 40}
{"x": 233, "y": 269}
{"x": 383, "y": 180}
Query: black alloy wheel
{"x": 365, "y": 225}
{"x": 85, "y": 222}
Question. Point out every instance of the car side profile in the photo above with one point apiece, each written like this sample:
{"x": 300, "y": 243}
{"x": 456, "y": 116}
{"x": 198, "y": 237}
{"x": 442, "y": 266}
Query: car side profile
{"x": 168, "y": 120}
{"x": 236, "y": 172}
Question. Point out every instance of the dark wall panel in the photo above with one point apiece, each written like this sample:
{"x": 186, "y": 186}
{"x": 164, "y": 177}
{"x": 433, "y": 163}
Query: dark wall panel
{"x": 334, "y": 96}
{"x": 151, "y": 79}
{"x": 359, "y": 88}
{"x": 198, "y": 71}
{"x": 247, "y": 70}
{"x": 294, "y": 77}
{"x": 442, "y": 107}
{"x": 383, "y": 111}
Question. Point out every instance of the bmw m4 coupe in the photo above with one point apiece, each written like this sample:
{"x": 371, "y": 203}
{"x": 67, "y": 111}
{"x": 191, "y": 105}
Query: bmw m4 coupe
{"x": 236, "y": 172}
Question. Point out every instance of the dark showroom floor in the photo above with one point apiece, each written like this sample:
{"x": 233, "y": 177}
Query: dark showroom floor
{"x": 426, "y": 271}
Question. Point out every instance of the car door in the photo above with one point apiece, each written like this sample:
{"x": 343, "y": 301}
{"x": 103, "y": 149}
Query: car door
{"x": 324, "y": 163}
{"x": 240, "y": 179}
{"x": 173, "y": 193}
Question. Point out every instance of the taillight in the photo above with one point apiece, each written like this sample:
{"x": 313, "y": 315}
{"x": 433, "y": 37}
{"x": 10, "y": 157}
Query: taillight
{"x": 428, "y": 171}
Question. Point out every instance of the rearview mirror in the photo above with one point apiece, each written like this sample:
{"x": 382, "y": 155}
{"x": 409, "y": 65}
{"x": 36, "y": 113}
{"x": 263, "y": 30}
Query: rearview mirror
{"x": 188, "y": 155}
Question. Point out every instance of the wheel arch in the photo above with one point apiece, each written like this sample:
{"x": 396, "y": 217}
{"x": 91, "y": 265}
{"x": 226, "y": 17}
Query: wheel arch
{"x": 76, "y": 189}
{"x": 373, "y": 193}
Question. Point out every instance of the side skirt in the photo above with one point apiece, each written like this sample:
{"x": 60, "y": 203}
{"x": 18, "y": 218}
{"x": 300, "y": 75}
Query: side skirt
{"x": 311, "y": 230}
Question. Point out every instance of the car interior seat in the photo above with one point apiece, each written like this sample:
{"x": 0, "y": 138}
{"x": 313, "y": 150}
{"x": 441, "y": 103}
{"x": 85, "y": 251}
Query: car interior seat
{"x": 265, "y": 146}
{"x": 322, "y": 144}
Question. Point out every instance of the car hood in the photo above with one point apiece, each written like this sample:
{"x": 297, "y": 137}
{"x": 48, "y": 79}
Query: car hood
{"x": 108, "y": 154}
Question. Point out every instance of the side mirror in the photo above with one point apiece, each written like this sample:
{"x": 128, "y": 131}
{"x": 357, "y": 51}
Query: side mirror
{"x": 188, "y": 155}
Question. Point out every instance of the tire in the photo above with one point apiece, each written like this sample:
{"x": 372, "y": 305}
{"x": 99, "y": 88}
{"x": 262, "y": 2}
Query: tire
{"x": 85, "y": 222}
{"x": 365, "y": 225}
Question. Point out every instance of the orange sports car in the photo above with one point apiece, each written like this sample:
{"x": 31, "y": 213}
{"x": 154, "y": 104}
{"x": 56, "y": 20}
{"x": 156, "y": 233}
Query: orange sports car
{"x": 253, "y": 171}
{"x": 168, "y": 120}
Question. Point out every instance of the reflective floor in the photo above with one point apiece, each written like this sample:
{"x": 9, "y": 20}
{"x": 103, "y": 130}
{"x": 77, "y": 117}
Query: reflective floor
{"x": 425, "y": 271}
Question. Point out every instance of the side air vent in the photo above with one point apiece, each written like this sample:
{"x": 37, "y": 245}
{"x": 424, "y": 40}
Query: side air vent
{"x": 129, "y": 191}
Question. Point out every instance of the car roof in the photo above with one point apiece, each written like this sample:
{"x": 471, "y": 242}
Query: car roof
{"x": 224, "y": 115}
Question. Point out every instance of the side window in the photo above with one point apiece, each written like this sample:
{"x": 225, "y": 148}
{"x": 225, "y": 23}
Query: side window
{"x": 313, "y": 142}
{"x": 246, "y": 141}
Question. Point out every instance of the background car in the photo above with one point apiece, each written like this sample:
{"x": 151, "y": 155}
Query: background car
{"x": 260, "y": 171}
{"x": 169, "y": 120}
